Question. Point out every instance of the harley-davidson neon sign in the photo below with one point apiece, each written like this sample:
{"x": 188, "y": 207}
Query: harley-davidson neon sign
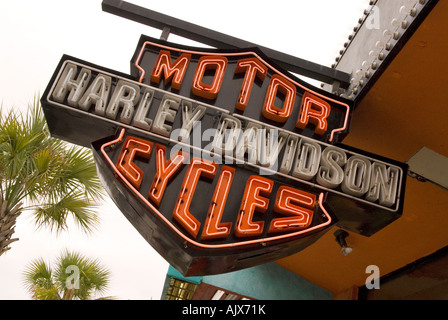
{"x": 220, "y": 159}
{"x": 245, "y": 83}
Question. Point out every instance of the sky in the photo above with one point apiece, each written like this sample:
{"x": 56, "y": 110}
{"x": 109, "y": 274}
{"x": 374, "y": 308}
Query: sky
{"x": 35, "y": 34}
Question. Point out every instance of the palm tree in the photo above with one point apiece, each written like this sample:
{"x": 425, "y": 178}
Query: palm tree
{"x": 51, "y": 178}
{"x": 75, "y": 277}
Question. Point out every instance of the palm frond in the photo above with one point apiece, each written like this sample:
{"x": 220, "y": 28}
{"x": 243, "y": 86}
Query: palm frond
{"x": 75, "y": 276}
{"x": 93, "y": 277}
{"x": 80, "y": 173}
{"x": 53, "y": 215}
{"x": 46, "y": 294}
{"x": 38, "y": 278}
{"x": 59, "y": 180}
{"x": 107, "y": 298}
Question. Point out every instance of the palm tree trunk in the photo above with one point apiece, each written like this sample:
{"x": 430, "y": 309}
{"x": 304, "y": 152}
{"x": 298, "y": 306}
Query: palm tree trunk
{"x": 7, "y": 224}
{"x": 68, "y": 294}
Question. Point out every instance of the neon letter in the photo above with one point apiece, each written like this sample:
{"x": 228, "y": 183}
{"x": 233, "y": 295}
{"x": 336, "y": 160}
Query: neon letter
{"x": 295, "y": 204}
{"x": 383, "y": 184}
{"x": 67, "y": 83}
{"x": 190, "y": 118}
{"x": 357, "y": 176}
{"x": 226, "y": 137}
{"x": 288, "y": 89}
{"x": 213, "y": 228}
{"x": 97, "y": 94}
{"x": 248, "y": 143}
{"x": 308, "y": 157}
{"x": 314, "y": 110}
{"x": 254, "y": 198}
{"x": 140, "y": 119}
{"x": 133, "y": 147}
{"x": 172, "y": 72}
{"x": 271, "y": 143}
{"x": 167, "y": 111}
{"x": 288, "y": 155}
{"x": 330, "y": 172}
{"x": 166, "y": 170}
{"x": 252, "y": 67}
{"x": 198, "y": 167}
{"x": 125, "y": 95}
{"x": 209, "y": 91}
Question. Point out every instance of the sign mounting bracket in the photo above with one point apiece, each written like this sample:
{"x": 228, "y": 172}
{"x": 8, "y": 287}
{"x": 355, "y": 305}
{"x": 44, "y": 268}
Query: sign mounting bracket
{"x": 165, "y": 34}
{"x": 219, "y": 40}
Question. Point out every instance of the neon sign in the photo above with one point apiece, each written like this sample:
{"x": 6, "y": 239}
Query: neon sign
{"x": 220, "y": 159}
{"x": 245, "y": 83}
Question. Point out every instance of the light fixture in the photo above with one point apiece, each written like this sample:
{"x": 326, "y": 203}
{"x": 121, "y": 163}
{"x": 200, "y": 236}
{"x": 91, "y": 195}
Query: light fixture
{"x": 429, "y": 165}
{"x": 340, "y": 238}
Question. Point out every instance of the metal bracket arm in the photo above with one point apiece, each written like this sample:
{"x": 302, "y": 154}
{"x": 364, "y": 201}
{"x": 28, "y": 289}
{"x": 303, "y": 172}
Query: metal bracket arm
{"x": 219, "y": 40}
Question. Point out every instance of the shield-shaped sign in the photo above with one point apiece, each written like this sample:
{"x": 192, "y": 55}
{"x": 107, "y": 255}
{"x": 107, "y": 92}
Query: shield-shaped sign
{"x": 221, "y": 160}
